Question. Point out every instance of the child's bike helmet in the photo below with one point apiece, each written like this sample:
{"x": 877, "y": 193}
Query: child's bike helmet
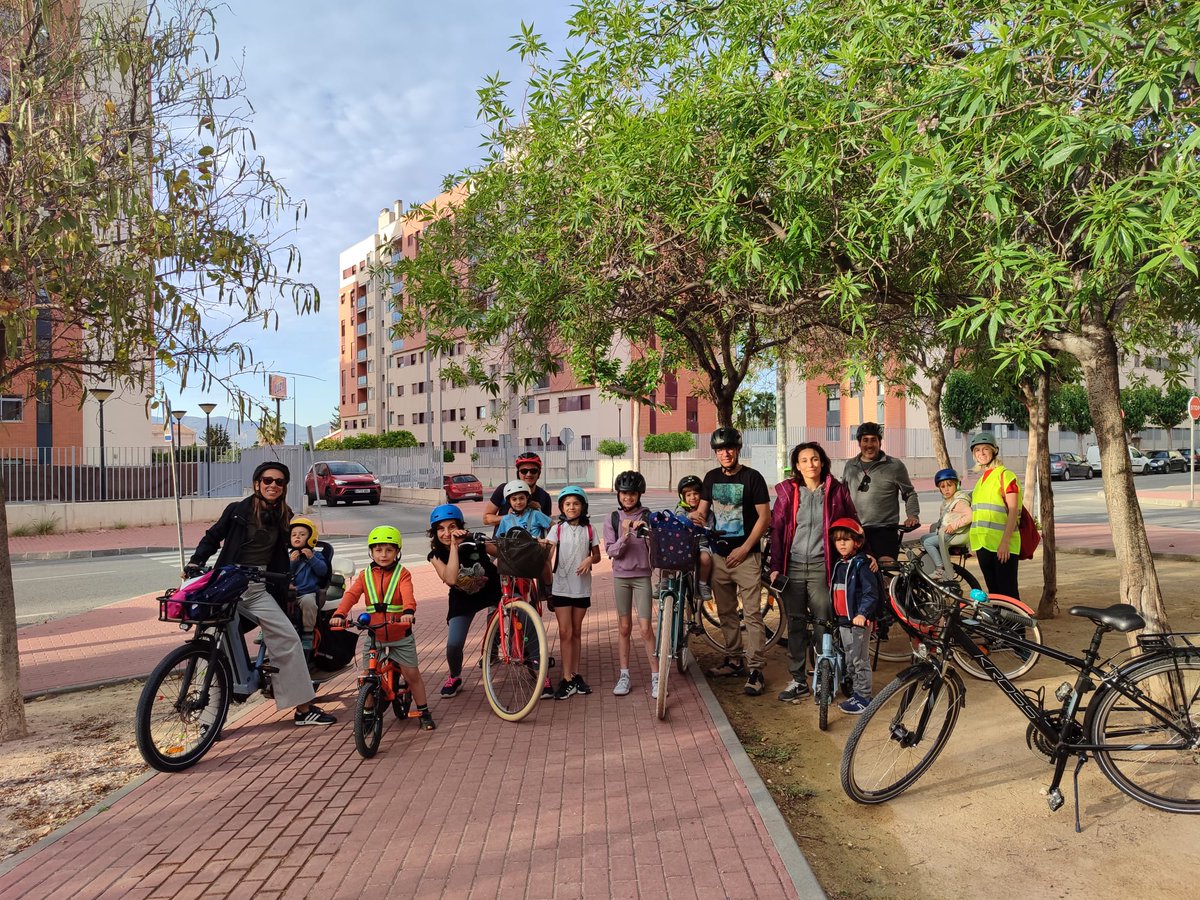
{"x": 849, "y": 525}
{"x": 944, "y": 475}
{"x": 385, "y": 534}
{"x": 630, "y": 481}
{"x": 447, "y": 512}
{"x": 306, "y": 523}
{"x": 516, "y": 487}
{"x": 689, "y": 483}
{"x": 572, "y": 490}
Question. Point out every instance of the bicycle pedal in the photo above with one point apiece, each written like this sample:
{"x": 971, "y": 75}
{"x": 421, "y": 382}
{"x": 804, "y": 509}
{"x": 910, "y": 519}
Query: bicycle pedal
{"x": 267, "y": 669}
{"x": 1054, "y": 799}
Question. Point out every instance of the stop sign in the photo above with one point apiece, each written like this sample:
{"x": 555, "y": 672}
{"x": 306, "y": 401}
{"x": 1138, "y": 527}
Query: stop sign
{"x": 1194, "y": 408}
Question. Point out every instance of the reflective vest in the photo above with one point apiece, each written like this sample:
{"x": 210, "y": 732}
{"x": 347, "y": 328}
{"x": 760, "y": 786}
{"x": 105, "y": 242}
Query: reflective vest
{"x": 989, "y": 515}
{"x": 373, "y": 595}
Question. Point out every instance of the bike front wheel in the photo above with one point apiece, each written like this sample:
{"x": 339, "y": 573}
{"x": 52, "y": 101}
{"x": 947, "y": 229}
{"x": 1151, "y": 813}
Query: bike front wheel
{"x": 178, "y": 720}
{"x": 823, "y": 692}
{"x": 514, "y": 660}
{"x": 1153, "y": 755}
{"x": 1010, "y": 659}
{"x": 368, "y": 721}
{"x": 900, "y": 735}
{"x": 666, "y": 632}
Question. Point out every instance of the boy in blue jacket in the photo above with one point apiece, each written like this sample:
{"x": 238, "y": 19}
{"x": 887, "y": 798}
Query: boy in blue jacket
{"x": 854, "y": 589}
{"x": 309, "y": 570}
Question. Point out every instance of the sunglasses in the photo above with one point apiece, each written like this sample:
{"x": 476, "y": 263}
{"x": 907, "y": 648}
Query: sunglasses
{"x": 267, "y": 479}
{"x": 528, "y": 471}
{"x": 866, "y": 483}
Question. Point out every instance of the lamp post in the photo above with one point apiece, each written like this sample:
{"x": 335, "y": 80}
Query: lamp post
{"x": 177, "y": 415}
{"x": 208, "y": 408}
{"x": 619, "y": 410}
{"x": 102, "y": 394}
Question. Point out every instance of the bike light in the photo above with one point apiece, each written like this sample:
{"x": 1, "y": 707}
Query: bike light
{"x": 978, "y": 596}
{"x": 1064, "y": 692}
{"x": 364, "y": 619}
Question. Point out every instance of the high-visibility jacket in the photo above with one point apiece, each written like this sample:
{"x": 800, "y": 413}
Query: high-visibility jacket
{"x": 380, "y": 587}
{"x": 989, "y": 514}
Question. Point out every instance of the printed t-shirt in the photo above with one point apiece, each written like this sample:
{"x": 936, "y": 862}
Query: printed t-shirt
{"x": 733, "y": 499}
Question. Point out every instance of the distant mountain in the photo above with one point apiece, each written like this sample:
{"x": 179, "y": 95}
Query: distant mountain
{"x": 245, "y": 434}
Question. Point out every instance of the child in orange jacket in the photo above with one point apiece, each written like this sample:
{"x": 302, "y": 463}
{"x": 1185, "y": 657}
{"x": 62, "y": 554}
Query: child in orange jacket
{"x": 388, "y": 587}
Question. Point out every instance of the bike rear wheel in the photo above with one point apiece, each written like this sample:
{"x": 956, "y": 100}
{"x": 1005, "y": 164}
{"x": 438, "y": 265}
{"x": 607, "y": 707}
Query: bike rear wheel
{"x": 823, "y": 692}
{"x": 774, "y": 622}
{"x": 1010, "y": 659}
{"x": 368, "y": 723}
{"x": 683, "y": 607}
{"x": 900, "y": 735}
{"x": 1153, "y": 762}
{"x": 512, "y": 674}
{"x": 889, "y": 641}
{"x": 175, "y": 725}
{"x": 666, "y": 632}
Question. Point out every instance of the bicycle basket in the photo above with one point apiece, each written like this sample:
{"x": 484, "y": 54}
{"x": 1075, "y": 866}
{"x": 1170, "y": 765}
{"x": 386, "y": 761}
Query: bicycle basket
{"x": 211, "y": 598}
{"x": 673, "y": 544}
{"x": 519, "y": 554}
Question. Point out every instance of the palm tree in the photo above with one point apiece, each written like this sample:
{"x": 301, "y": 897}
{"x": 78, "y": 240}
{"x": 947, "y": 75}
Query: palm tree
{"x": 271, "y": 430}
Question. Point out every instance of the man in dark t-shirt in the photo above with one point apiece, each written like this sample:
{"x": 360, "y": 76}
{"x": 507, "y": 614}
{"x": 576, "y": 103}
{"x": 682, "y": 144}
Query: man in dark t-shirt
{"x": 738, "y": 498}
{"x": 529, "y": 470}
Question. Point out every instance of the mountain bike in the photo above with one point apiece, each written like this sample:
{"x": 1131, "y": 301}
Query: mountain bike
{"x": 185, "y": 701}
{"x": 379, "y": 685}
{"x": 1142, "y": 724}
{"x": 514, "y": 651}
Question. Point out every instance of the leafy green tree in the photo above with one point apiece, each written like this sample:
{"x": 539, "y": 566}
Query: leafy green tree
{"x": 271, "y": 431}
{"x": 401, "y": 439}
{"x": 448, "y": 456}
{"x": 216, "y": 439}
{"x": 966, "y": 401}
{"x": 753, "y": 409}
{"x": 1069, "y": 409}
{"x": 670, "y": 443}
{"x": 335, "y": 419}
{"x": 139, "y": 222}
{"x": 1170, "y": 408}
{"x": 1139, "y": 403}
{"x": 611, "y": 448}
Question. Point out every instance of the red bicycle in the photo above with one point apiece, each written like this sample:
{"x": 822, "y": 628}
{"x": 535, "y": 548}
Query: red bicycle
{"x": 379, "y": 685}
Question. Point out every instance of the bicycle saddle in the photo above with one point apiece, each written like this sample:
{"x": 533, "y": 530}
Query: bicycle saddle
{"x": 1119, "y": 617}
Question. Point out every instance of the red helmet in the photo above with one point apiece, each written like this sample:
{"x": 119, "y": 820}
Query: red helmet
{"x": 850, "y": 525}
{"x": 526, "y": 459}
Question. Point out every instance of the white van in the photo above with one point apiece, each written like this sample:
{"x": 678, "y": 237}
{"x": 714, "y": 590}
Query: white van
{"x": 1138, "y": 461}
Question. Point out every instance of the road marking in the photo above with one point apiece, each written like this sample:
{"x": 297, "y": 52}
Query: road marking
{"x": 65, "y": 575}
{"x": 40, "y": 615}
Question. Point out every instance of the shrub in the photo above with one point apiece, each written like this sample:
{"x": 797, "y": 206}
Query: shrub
{"x": 612, "y": 448}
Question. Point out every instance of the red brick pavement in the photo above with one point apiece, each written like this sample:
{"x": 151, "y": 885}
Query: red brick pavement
{"x": 588, "y": 797}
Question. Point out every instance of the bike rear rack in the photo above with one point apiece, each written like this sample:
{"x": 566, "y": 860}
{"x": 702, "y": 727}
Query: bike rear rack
{"x": 1170, "y": 640}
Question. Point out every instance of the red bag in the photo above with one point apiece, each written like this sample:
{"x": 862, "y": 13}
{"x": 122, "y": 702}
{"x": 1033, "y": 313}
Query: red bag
{"x": 1030, "y": 536}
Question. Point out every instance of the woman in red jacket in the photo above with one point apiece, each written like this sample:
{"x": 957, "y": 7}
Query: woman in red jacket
{"x": 805, "y": 505}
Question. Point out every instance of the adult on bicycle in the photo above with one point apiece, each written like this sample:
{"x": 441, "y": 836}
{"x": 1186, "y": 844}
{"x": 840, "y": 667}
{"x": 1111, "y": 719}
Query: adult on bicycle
{"x": 995, "y": 506}
{"x": 878, "y": 482}
{"x": 529, "y": 470}
{"x": 805, "y": 506}
{"x": 738, "y": 498}
{"x": 254, "y": 532}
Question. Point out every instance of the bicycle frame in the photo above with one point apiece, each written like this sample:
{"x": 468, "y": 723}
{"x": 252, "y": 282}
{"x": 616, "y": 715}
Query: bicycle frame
{"x": 228, "y": 639}
{"x": 512, "y": 648}
{"x": 673, "y": 583}
{"x": 832, "y": 650}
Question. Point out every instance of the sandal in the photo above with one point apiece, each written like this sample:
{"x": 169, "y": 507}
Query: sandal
{"x": 728, "y": 668}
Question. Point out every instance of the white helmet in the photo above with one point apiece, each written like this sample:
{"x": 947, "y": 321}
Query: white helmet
{"x": 516, "y": 487}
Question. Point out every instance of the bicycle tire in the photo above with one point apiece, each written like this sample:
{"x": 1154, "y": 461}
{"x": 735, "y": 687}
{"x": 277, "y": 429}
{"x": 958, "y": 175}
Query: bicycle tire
{"x": 666, "y": 628}
{"x": 1165, "y": 779}
{"x": 774, "y": 622}
{"x": 1013, "y": 662}
{"x": 368, "y": 723}
{"x": 824, "y": 692}
{"x": 513, "y": 687}
{"x": 173, "y": 733}
{"x": 889, "y": 641}
{"x": 402, "y": 702}
{"x": 683, "y": 653}
{"x": 878, "y": 762}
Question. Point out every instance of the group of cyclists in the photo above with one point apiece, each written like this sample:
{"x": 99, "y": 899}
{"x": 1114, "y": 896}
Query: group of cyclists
{"x": 816, "y": 522}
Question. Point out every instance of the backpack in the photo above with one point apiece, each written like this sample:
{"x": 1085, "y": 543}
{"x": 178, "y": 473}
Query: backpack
{"x": 1030, "y": 536}
{"x": 644, "y": 515}
{"x": 558, "y": 538}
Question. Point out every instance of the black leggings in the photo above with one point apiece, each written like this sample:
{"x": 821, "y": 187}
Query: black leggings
{"x": 1001, "y": 578}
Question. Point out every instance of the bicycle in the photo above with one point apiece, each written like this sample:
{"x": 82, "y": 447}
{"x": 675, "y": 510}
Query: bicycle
{"x": 829, "y": 671}
{"x": 771, "y": 607}
{"x": 381, "y": 684}
{"x": 514, "y": 651}
{"x": 674, "y": 551}
{"x": 1142, "y": 724}
{"x": 185, "y": 701}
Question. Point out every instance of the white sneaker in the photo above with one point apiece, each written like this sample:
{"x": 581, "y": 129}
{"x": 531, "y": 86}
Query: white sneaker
{"x": 654, "y": 686}
{"x": 705, "y": 591}
{"x": 622, "y": 685}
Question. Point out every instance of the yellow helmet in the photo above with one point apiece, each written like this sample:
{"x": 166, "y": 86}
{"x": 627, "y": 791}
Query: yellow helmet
{"x": 307, "y": 523}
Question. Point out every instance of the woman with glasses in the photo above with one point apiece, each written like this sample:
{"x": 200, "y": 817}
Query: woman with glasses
{"x": 529, "y": 470}
{"x": 805, "y": 506}
{"x": 254, "y": 532}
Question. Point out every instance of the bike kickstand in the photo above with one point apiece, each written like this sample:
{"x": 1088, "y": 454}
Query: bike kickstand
{"x": 1078, "y": 766}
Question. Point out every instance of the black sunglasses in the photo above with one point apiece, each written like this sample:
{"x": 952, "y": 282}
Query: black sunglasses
{"x": 267, "y": 479}
{"x": 865, "y": 485}
{"x": 528, "y": 471}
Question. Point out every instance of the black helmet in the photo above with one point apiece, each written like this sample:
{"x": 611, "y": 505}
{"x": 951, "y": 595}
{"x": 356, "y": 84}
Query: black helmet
{"x": 630, "y": 481}
{"x": 687, "y": 482}
{"x": 869, "y": 429}
{"x": 724, "y": 438}
{"x": 264, "y": 466}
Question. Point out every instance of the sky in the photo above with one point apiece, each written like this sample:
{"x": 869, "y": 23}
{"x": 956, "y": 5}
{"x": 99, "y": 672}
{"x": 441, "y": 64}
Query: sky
{"x": 358, "y": 104}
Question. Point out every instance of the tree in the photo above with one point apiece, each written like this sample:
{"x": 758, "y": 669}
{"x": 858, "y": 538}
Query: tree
{"x": 611, "y": 448}
{"x": 335, "y": 419}
{"x": 448, "y": 456}
{"x": 1170, "y": 408}
{"x": 139, "y": 224}
{"x": 670, "y": 443}
{"x": 1138, "y": 404}
{"x": 216, "y": 439}
{"x": 966, "y": 401}
{"x": 753, "y": 409}
{"x": 271, "y": 431}
{"x": 1069, "y": 409}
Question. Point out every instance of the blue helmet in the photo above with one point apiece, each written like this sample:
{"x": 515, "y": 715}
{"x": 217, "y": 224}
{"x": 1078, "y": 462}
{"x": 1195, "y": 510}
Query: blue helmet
{"x": 945, "y": 475}
{"x": 572, "y": 490}
{"x": 447, "y": 512}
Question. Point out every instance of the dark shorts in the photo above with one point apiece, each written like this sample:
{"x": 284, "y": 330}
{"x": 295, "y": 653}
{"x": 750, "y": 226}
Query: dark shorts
{"x": 570, "y": 603}
{"x": 883, "y": 540}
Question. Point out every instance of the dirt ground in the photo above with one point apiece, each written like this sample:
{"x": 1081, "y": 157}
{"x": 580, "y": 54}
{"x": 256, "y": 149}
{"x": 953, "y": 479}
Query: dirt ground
{"x": 976, "y": 825}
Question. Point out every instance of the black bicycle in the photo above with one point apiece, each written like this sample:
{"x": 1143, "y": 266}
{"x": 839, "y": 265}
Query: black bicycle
{"x": 1142, "y": 724}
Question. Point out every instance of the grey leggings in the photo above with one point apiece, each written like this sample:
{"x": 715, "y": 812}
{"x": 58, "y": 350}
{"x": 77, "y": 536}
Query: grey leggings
{"x": 456, "y": 639}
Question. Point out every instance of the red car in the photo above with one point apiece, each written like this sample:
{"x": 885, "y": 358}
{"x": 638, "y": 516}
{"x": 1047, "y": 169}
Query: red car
{"x": 340, "y": 481}
{"x": 462, "y": 487}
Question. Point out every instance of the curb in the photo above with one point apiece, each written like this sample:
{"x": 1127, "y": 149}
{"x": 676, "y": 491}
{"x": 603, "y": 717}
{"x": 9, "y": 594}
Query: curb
{"x": 803, "y": 879}
{"x": 86, "y": 686}
{"x": 1101, "y": 551}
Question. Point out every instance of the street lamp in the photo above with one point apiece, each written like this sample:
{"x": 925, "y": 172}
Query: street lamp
{"x": 619, "y": 410}
{"x": 102, "y": 394}
{"x": 177, "y": 415}
{"x": 208, "y": 408}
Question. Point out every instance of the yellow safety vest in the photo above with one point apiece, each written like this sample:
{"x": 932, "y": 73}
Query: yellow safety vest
{"x": 989, "y": 515}
{"x": 373, "y": 601}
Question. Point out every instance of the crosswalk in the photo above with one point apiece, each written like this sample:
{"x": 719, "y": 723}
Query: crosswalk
{"x": 346, "y": 552}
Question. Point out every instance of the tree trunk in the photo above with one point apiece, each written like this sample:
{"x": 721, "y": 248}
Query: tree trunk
{"x": 1096, "y": 350}
{"x": 781, "y": 447}
{"x": 1048, "y": 605}
{"x": 1035, "y": 448}
{"x": 12, "y": 706}
{"x": 933, "y": 408}
{"x": 724, "y": 404}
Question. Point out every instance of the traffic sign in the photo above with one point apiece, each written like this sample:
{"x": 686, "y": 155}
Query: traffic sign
{"x": 566, "y": 436}
{"x": 1194, "y": 408}
{"x": 545, "y": 433}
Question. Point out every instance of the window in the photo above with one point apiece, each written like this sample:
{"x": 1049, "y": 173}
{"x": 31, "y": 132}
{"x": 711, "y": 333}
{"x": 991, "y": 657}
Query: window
{"x": 399, "y": 390}
{"x": 671, "y": 389}
{"x": 418, "y": 387}
{"x": 585, "y": 442}
{"x": 419, "y": 418}
{"x": 12, "y": 409}
{"x": 833, "y": 412}
{"x": 480, "y": 412}
{"x": 544, "y": 405}
{"x": 400, "y": 419}
{"x": 574, "y": 404}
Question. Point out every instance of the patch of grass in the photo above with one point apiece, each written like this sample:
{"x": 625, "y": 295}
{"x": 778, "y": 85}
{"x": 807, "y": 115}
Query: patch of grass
{"x": 118, "y": 526}
{"x": 39, "y": 527}
{"x": 789, "y": 795}
{"x": 770, "y": 754}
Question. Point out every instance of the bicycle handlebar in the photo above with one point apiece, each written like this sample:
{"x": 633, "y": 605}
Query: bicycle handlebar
{"x": 254, "y": 573}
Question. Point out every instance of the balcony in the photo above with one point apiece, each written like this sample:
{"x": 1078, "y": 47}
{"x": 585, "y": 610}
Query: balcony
{"x": 361, "y": 357}
{"x": 362, "y": 380}
{"x": 362, "y": 329}
{"x": 362, "y": 407}
{"x": 361, "y": 304}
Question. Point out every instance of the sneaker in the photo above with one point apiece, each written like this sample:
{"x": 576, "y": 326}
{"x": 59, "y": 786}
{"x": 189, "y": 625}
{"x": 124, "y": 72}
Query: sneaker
{"x": 565, "y": 689}
{"x": 794, "y": 692}
{"x": 755, "y": 684}
{"x": 621, "y": 688}
{"x": 547, "y": 688}
{"x": 654, "y": 686}
{"x": 856, "y": 705}
{"x": 581, "y": 686}
{"x": 314, "y": 715}
{"x": 705, "y": 591}
{"x": 730, "y": 667}
{"x": 427, "y": 723}
{"x": 452, "y": 687}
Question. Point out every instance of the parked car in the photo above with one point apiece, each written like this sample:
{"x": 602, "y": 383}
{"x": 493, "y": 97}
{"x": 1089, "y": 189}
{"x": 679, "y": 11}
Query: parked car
{"x": 1164, "y": 461}
{"x": 1138, "y": 461}
{"x": 341, "y": 481}
{"x": 462, "y": 487}
{"x": 1069, "y": 465}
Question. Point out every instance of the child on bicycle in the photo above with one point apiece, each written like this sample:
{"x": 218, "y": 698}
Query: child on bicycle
{"x": 472, "y": 578}
{"x": 953, "y": 524}
{"x": 576, "y": 550}
{"x": 381, "y": 581}
{"x": 854, "y": 590}
{"x": 630, "y": 555}
{"x": 689, "y": 499}
{"x": 309, "y": 569}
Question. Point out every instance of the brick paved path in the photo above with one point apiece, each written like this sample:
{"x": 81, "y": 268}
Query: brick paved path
{"x": 589, "y": 797}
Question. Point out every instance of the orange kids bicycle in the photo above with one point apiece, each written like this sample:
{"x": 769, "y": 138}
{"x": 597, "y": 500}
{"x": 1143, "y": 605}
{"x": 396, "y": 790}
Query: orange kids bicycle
{"x": 380, "y": 683}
